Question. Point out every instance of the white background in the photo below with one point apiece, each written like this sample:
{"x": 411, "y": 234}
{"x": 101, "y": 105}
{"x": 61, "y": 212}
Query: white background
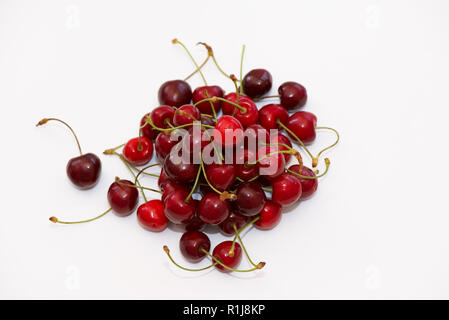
{"x": 375, "y": 70}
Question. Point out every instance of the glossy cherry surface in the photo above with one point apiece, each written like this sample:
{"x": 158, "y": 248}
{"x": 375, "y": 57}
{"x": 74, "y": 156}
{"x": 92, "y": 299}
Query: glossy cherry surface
{"x": 276, "y": 140}
{"x": 269, "y": 216}
{"x": 258, "y": 136}
{"x": 228, "y": 131}
{"x": 138, "y": 153}
{"x": 122, "y": 198}
{"x": 180, "y": 170}
{"x": 164, "y": 142}
{"x": 270, "y": 114}
{"x": 84, "y": 171}
{"x": 309, "y": 186}
{"x": 302, "y": 124}
{"x": 212, "y": 210}
{"x": 257, "y": 82}
{"x": 242, "y": 170}
{"x": 191, "y": 244}
{"x": 248, "y": 115}
{"x": 176, "y": 209}
{"x": 147, "y": 130}
{"x": 171, "y": 186}
{"x": 271, "y": 164}
{"x": 250, "y": 198}
{"x": 221, "y": 176}
{"x": 151, "y": 215}
{"x": 205, "y": 92}
{"x": 162, "y": 116}
{"x": 293, "y": 95}
{"x": 234, "y": 218}
{"x": 175, "y": 93}
{"x": 286, "y": 190}
{"x": 186, "y": 114}
{"x": 221, "y": 253}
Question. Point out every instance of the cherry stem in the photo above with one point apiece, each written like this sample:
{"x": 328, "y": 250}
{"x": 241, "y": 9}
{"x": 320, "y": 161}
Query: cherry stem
{"x": 266, "y": 97}
{"x": 296, "y": 137}
{"x": 132, "y": 172}
{"x": 211, "y": 53}
{"x": 205, "y": 177}
{"x": 55, "y": 220}
{"x": 148, "y": 120}
{"x": 267, "y": 189}
{"x": 243, "y": 246}
{"x": 117, "y": 179}
{"x": 231, "y": 251}
{"x": 293, "y": 151}
{"x": 195, "y": 184}
{"x": 213, "y": 99}
{"x": 139, "y": 147}
{"x": 212, "y": 106}
{"x": 315, "y": 160}
{"x": 241, "y": 68}
{"x": 200, "y": 67}
{"x": 45, "y": 120}
{"x": 167, "y": 251}
{"x": 112, "y": 150}
{"x": 176, "y": 41}
{"x": 326, "y": 161}
{"x": 149, "y": 174}
{"x": 259, "y": 266}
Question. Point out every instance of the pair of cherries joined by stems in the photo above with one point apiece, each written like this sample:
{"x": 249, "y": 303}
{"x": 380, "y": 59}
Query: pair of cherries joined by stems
{"x": 233, "y": 193}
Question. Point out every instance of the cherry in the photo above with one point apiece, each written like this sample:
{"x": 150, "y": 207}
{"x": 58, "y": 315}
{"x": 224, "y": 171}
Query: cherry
{"x": 138, "y": 151}
{"x": 256, "y": 133}
{"x": 222, "y": 253}
{"x": 270, "y": 114}
{"x": 147, "y": 130}
{"x": 175, "y": 93}
{"x": 293, "y": 95}
{"x": 84, "y": 170}
{"x": 209, "y": 121}
{"x": 163, "y": 144}
{"x": 180, "y": 170}
{"x": 221, "y": 176}
{"x": 195, "y": 224}
{"x": 278, "y": 138}
{"x": 271, "y": 161}
{"x": 186, "y": 114}
{"x": 309, "y": 186}
{"x": 171, "y": 186}
{"x": 302, "y": 124}
{"x": 123, "y": 197}
{"x": 242, "y": 170}
{"x": 151, "y": 215}
{"x": 162, "y": 116}
{"x": 269, "y": 216}
{"x": 177, "y": 209}
{"x": 228, "y": 126}
{"x": 195, "y": 140}
{"x": 212, "y": 210}
{"x": 191, "y": 244}
{"x": 162, "y": 180}
{"x": 205, "y": 92}
{"x": 250, "y": 198}
{"x": 234, "y": 219}
{"x": 286, "y": 189}
{"x": 248, "y": 114}
{"x": 257, "y": 82}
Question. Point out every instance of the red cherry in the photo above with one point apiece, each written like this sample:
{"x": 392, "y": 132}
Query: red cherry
{"x": 248, "y": 116}
{"x": 309, "y": 186}
{"x": 84, "y": 171}
{"x": 257, "y": 133}
{"x": 171, "y": 186}
{"x": 269, "y": 216}
{"x": 303, "y": 125}
{"x": 250, "y": 198}
{"x": 200, "y": 94}
{"x": 293, "y": 95}
{"x": 286, "y": 190}
{"x": 176, "y": 209}
{"x": 196, "y": 140}
{"x": 195, "y": 224}
{"x": 186, "y": 114}
{"x": 280, "y": 138}
{"x": 163, "y": 144}
{"x": 136, "y": 154}
{"x": 234, "y": 218}
{"x": 162, "y": 115}
{"x": 162, "y": 180}
{"x": 271, "y": 164}
{"x": 270, "y": 114}
{"x": 191, "y": 244}
{"x": 221, "y": 176}
{"x": 257, "y": 82}
{"x": 148, "y": 130}
{"x": 243, "y": 171}
{"x": 228, "y": 126}
{"x": 122, "y": 198}
{"x": 221, "y": 252}
{"x": 175, "y": 93}
{"x": 151, "y": 215}
{"x": 212, "y": 210}
{"x": 180, "y": 170}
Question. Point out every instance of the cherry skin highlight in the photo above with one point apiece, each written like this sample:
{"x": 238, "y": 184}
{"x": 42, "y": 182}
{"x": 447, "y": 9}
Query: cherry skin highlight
{"x": 176, "y": 209}
{"x": 186, "y": 114}
{"x": 257, "y": 82}
{"x": 122, "y": 198}
{"x": 171, "y": 186}
{"x": 151, "y": 215}
{"x": 163, "y": 144}
{"x": 230, "y": 126}
{"x": 191, "y": 244}
{"x": 221, "y": 176}
{"x": 147, "y": 130}
{"x": 280, "y": 138}
{"x": 269, "y": 216}
{"x": 303, "y": 125}
{"x": 175, "y": 93}
{"x": 293, "y": 95}
{"x": 205, "y": 92}
{"x": 250, "y": 198}
{"x": 212, "y": 210}
{"x": 248, "y": 116}
{"x": 309, "y": 186}
{"x": 234, "y": 218}
{"x": 221, "y": 253}
{"x": 286, "y": 190}
{"x": 137, "y": 153}
{"x": 271, "y": 164}
{"x": 162, "y": 116}
{"x": 270, "y": 114}
{"x": 180, "y": 170}
{"x": 243, "y": 171}
{"x": 84, "y": 171}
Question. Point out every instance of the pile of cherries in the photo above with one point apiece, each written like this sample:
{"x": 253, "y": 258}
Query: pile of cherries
{"x": 246, "y": 184}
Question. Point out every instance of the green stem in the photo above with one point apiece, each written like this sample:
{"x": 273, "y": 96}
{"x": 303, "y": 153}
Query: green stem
{"x": 332, "y": 145}
{"x": 176, "y": 41}
{"x": 201, "y": 66}
{"x": 132, "y": 172}
{"x": 260, "y": 266}
{"x": 231, "y": 251}
{"x": 196, "y": 182}
{"x": 167, "y": 251}
{"x": 326, "y": 160}
{"x": 243, "y": 246}
{"x": 295, "y": 136}
{"x": 241, "y": 68}
{"x": 55, "y": 220}
{"x": 45, "y": 120}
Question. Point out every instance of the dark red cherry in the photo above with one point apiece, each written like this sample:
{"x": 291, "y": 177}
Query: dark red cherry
{"x": 164, "y": 142}
{"x": 247, "y": 116}
{"x": 138, "y": 154}
{"x": 191, "y": 244}
{"x": 162, "y": 116}
{"x": 250, "y": 198}
{"x": 186, "y": 114}
{"x": 257, "y": 82}
{"x": 221, "y": 253}
{"x": 175, "y": 93}
{"x": 303, "y": 124}
{"x": 254, "y": 135}
{"x": 176, "y": 209}
{"x": 286, "y": 189}
{"x": 293, "y": 95}
{"x": 180, "y": 169}
{"x": 151, "y": 215}
{"x": 195, "y": 224}
{"x": 269, "y": 216}
{"x": 163, "y": 179}
{"x": 171, "y": 186}
{"x": 221, "y": 176}
{"x": 270, "y": 114}
{"x": 205, "y": 92}
{"x": 271, "y": 164}
{"x": 309, "y": 186}
{"x": 228, "y": 131}
{"x": 243, "y": 171}
{"x": 234, "y": 218}
{"x": 84, "y": 171}
{"x": 123, "y": 198}
{"x": 212, "y": 210}
{"x": 195, "y": 140}
{"x": 280, "y": 138}
{"x": 147, "y": 130}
